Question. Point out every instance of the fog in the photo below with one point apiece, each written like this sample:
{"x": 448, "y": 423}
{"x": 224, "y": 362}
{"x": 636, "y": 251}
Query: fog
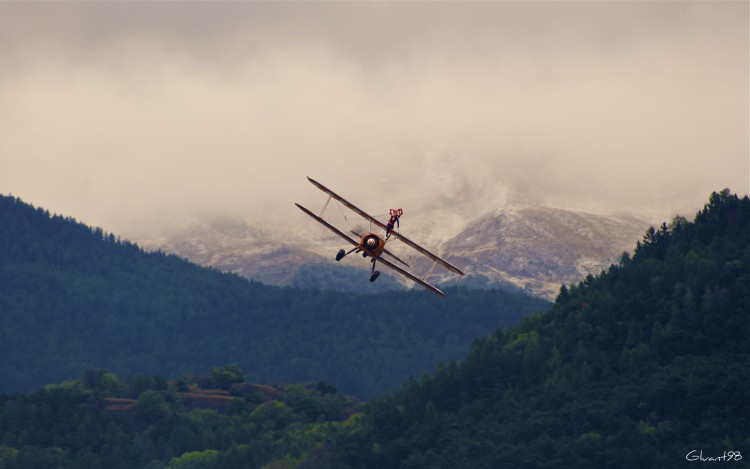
{"x": 130, "y": 116}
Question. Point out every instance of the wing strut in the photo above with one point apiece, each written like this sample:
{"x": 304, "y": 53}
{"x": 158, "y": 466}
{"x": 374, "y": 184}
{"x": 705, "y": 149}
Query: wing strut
{"x": 327, "y": 225}
{"x": 430, "y": 271}
{"x": 410, "y": 276}
{"x": 324, "y": 206}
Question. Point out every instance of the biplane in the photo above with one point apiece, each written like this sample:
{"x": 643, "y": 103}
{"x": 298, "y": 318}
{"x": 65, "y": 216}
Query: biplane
{"x": 372, "y": 243}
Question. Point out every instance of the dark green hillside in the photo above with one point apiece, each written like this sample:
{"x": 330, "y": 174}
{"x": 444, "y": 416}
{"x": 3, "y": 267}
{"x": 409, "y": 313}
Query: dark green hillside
{"x": 635, "y": 367}
{"x": 74, "y": 298}
{"x": 103, "y": 421}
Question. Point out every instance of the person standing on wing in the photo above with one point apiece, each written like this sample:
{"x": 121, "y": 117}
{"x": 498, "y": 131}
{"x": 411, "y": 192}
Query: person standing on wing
{"x": 395, "y": 215}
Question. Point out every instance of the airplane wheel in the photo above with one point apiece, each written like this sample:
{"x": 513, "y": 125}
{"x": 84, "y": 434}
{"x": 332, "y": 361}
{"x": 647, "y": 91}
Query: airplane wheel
{"x": 364, "y": 254}
{"x": 340, "y": 255}
{"x": 374, "y": 275}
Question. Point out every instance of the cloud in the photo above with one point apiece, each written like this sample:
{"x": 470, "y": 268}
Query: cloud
{"x": 128, "y": 114}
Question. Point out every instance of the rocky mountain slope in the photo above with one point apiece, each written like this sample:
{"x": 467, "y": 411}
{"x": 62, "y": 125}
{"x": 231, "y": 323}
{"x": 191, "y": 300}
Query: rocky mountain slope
{"x": 539, "y": 248}
{"x": 532, "y": 248}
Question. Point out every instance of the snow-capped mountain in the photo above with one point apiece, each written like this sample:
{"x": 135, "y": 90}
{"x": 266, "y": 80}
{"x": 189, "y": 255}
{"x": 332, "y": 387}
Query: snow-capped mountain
{"x": 228, "y": 243}
{"x": 540, "y": 248}
{"x": 532, "y": 248}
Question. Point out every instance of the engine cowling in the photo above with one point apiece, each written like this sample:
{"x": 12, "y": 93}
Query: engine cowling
{"x": 372, "y": 243}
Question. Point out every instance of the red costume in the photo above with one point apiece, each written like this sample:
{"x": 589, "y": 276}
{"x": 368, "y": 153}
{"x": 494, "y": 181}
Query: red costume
{"x": 395, "y": 214}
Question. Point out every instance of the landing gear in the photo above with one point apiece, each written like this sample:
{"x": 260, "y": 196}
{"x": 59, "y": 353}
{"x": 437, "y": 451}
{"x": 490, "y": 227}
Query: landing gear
{"x": 374, "y": 274}
{"x": 340, "y": 255}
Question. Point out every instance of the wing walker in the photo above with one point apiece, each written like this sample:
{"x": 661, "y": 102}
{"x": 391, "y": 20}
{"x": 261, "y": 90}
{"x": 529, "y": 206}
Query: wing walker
{"x": 372, "y": 243}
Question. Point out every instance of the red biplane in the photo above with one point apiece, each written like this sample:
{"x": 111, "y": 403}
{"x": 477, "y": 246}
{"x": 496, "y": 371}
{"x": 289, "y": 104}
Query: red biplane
{"x": 372, "y": 244}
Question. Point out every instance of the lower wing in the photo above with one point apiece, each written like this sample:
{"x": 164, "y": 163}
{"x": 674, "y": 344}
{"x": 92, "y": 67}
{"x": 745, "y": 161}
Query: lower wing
{"x": 410, "y": 276}
{"x": 327, "y": 225}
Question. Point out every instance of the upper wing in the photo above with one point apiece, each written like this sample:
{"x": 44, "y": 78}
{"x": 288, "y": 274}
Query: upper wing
{"x": 345, "y": 202}
{"x": 410, "y": 276}
{"x": 327, "y": 225}
{"x": 400, "y": 237}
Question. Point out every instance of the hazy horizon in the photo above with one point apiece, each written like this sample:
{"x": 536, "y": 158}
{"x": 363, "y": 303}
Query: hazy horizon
{"x": 126, "y": 115}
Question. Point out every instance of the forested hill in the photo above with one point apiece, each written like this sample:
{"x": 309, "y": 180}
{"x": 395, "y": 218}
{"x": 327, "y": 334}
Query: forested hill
{"x": 645, "y": 365}
{"x": 74, "y": 298}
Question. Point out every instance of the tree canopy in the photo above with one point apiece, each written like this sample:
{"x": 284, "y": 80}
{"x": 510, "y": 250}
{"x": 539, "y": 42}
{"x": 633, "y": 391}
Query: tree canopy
{"x": 145, "y": 421}
{"x": 74, "y": 298}
{"x": 634, "y": 367}
{"x": 643, "y": 365}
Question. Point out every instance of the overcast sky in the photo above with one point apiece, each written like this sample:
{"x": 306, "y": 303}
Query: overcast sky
{"x": 126, "y": 114}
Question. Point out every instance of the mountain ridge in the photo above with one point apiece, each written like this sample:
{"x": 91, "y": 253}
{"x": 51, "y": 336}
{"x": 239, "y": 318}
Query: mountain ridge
{"x": 527, "y": 248}
{"x": 73, "y": 298}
